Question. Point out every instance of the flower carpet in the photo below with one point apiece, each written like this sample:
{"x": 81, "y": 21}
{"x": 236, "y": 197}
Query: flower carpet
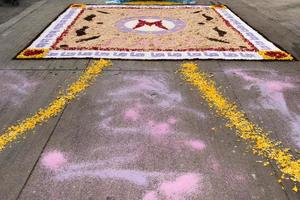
{"x": 151, "y": 32}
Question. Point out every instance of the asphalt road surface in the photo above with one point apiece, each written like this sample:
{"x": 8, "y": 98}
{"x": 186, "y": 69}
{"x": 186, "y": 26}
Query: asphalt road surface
{"x": 140, "y": 131}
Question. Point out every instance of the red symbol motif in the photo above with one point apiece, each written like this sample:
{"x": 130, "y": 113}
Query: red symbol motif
{"x": 142, "y": 23}
{"x": 31, "y": 52}
{"x": 276, "y": 54}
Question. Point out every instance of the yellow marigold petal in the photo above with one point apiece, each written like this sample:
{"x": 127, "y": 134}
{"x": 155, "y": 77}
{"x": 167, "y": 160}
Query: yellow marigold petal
{"x": 295, "y": 188}
{"x": 56, "y": 106}
{"x": 257, "y": 139}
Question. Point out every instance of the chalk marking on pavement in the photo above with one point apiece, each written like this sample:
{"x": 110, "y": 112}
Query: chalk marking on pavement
{"x": 261, "y": 144}
{"x": 55, "y": 107}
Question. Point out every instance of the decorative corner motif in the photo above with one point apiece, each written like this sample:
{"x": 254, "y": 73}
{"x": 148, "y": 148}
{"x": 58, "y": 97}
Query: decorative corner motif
{"x": 275, "y": 55}
{"x": 78, "y": 5}
{"x": 33, "y": 53}
{"x": 218, "y": 6}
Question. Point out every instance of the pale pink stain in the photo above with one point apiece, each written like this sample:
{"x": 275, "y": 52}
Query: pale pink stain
{"x": 139, "y": 105}
{"x": 172, "y": 120}
{"x": 159, "y": 129}
{"x": 273, "y": 97}
{"x": 151, "y": 123}
{"x": 53, "y": 160}
{"x": 150, "y": 196}
{"x": 182, "y": 186}
{"x": 244, "y": 75}
{"x": 215, "y": 165}
{"x": 277, "y": 86}
{"x": 273, "y": 85}
{"x": 132, "y": 114}
{"x": 196, "y": 144}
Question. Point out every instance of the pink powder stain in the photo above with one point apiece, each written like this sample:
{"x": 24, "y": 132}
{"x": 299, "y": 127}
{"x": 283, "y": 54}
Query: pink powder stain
{"x": 53, "y": 160}
{"x": 182, "y": 186}
{"x": 132, "y": 114}
{"x": 150, "y": 196}
{"x": 139, "y": 105}
{"x": 277, "y": 86}
{"x": 215, "y": 165}
{"x": 160, "y": 129}
{"x": 274, "y": 86}
{"x": 151, "y": 123}
{"x": 172, "y": 120}
{"x": 196, "y": 144}
{"x": 243, "y": 75}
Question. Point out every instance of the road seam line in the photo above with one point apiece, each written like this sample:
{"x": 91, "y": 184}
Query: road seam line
{"x": 44, "y": 146}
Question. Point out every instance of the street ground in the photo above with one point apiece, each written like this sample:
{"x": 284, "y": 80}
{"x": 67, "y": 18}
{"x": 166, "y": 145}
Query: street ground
{"x": 140, "y": 131}
{"x": 8, "y": 11}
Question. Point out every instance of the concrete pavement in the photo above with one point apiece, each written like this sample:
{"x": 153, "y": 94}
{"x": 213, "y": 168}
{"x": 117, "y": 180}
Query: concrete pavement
{"x": 140, "y": 132}
{"x": 8, "y": 11}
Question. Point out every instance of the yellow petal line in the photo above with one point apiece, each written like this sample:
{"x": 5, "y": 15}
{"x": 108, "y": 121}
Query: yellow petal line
{"x": 56, "y": 106}
{"x": 258, "y": 140}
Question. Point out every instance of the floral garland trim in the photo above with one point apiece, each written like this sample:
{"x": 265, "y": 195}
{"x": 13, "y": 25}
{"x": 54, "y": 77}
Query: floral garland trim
{"x": 249, "y": 132}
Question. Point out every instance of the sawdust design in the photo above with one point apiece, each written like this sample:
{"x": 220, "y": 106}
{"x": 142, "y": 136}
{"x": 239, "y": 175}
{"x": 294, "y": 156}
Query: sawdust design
{"x": 149, "y": 29}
